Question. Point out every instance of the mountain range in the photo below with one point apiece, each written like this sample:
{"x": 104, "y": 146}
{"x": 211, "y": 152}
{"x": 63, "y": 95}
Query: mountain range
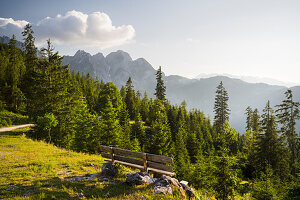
{"x": 198, "y": 93}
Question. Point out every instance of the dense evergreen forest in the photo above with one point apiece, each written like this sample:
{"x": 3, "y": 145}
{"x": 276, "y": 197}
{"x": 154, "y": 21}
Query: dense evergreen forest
{"x": 76, "y": 112}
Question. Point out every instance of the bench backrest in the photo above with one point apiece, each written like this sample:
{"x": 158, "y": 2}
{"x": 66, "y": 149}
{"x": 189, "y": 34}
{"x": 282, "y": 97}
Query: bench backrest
{"x": 145, "y": 161}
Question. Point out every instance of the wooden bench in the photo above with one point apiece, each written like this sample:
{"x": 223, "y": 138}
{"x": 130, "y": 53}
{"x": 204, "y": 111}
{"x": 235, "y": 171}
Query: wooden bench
{"x": 145, "y": 161}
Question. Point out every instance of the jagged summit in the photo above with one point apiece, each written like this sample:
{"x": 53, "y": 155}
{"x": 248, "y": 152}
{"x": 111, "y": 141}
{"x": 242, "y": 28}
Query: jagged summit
{"x": 81, "y": 53}
{"x": 115, "y": 67}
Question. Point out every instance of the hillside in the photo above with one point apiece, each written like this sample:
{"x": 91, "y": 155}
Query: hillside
{"x": 118, "y": 66}
{"x": 37, "y": 170}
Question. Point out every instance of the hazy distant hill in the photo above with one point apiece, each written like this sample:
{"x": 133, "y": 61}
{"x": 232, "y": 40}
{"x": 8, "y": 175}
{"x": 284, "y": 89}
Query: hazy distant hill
{"x": 118, "y": 66}
{"x": 250, "y": 79}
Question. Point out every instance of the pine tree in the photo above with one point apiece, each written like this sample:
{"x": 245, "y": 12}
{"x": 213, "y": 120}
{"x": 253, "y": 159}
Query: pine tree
{"x": 52, "y": 92}
{"x": 111, "y": 135}
{"x": 161, "y": 140}
{"x": 182, "y": 159}
{"x": 14, "y": 74}
{"x": 145, "y": 109}
{"x": 269, "y": 149}
{"x": 255, "y": 121}
{"x": 129, "y": 99}
{"x": 160, "y": 90}
{"x": 288, "y": 112}
{"x": 30, "y": 49}
{"x": 221, "y": 109}
{"x": 225, "y": 176}
{"x": 138, "y": 130}
{"x": 249, "y": 120}
{"x": 109, "y": 90}
{"x": 126, "y": 128}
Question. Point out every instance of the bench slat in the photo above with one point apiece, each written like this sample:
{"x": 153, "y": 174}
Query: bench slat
{"x": 105, "y": 149}
{"x": 160, "y": 166}
{"x": 106, "y": 155}
{"x": 127, "y": 164}
{"x": 124, "y": 152}
{"x": 161, "y": 172}
{"x": 158, "y": 158}
{"x": 129, "y": 160}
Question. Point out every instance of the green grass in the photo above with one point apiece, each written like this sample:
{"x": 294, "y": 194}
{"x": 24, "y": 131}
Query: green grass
{"x": 37, "y": 170}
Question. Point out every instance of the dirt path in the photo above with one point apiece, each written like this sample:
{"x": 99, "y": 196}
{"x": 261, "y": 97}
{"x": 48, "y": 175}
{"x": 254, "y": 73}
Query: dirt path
{"x": 15, "y": 127}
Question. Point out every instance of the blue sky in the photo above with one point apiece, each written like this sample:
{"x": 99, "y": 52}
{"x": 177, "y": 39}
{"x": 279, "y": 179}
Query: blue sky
{"x": 256, "y": 38}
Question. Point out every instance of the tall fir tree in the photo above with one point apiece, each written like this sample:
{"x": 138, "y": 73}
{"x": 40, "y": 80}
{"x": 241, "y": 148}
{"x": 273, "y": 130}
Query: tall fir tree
{"x": 221, "y": 108}
{"x": 287, "y": 113}
{"x": 182, "y": 159}
{"x": 126, "y": 128}
{"x": 138, "y": 130}
{"x": 249, "y": 120}
{"x": 111, "y": 131}
{"x": 14, "y": 74}
{"x": 145, "y": 109}
{"x": 160, "y": 90}
{"x": 29, "y": 47}
{"x": 269, "y": 148}
{"x": 129, "y": 98}
{"x": 255, "y": 120}
{"x": 161, "y": 142}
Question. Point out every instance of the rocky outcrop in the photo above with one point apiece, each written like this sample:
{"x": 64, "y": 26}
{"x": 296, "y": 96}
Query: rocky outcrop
{"x": 139, "y": 178}
{"x": 108, "y": 169}
{"x": 161, "y": 185}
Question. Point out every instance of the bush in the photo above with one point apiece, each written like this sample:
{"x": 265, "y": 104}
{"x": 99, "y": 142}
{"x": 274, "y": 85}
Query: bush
{"x": 9, "y": 118}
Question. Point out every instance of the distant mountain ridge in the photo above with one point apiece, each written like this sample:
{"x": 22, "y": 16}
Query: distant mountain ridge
{"x": 4, "y": 39}
{"x": 198, "y": 93}
{"x": 250, "y": 79}
{"x": 118, "y": 66}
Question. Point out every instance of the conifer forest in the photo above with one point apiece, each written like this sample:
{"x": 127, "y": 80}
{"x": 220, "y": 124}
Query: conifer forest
{"x": 78, "y": 112}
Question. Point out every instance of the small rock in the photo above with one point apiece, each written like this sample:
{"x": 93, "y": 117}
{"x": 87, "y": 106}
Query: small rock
{"x": 184, "y": 184}
{"x": 139, "y": 178}
{"x": 91, "y": 176}
{"x": 190, "y": 192}
{"x": 161, "y": 182}
{"x": 108, "y": 169}
{"x": 134, "y": 179}
{"x": 148, "y": 179}
{"x": 163, "y": 190}
{"x": 175, "y": 182}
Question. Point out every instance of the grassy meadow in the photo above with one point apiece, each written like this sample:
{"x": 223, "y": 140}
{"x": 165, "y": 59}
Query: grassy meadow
{"x": 37, "y": 170}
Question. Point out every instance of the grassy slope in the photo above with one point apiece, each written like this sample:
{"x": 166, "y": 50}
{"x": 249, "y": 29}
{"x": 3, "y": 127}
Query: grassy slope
{"x": 37, "y": 170}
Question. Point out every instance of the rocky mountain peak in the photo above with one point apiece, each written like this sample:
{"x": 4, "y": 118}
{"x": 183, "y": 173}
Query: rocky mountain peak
{"x": 82, "y": 53}
{"x": 118, "y": 57}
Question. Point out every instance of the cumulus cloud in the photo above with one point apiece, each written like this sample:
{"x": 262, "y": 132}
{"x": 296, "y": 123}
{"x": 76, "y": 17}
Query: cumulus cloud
{"x": 9, "y": 26}
{"x": 76, "y": 28}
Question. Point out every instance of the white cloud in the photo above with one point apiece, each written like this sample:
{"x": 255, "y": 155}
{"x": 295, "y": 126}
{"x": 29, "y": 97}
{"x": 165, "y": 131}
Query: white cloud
{"x": 75, "y": 28}
{"x": 9, "y": 26}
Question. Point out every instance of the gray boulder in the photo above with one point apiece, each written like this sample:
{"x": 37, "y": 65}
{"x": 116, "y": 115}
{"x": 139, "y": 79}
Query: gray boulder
{"x": 139, "y": 178}
{"x": 163, "y": 190}
{"x": 189, "y": 191}
{"x": 108, "y": 169}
